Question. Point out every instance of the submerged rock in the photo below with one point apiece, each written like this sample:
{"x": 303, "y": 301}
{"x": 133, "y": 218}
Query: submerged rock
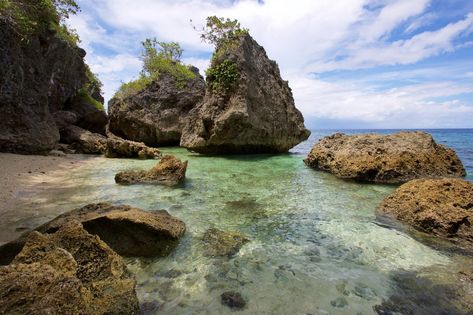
{"x": 67, "y": 272}
{"x": 442, "y": 207}
{"x": 128, "y": 231}
{"x": 257, "y": 115}
{"x": 155, "y": 115}
{"x": 395, "y": 158}
{"x": 222, "y": 243}
{"x": 233, "y": 299}
{"x": 170, "y": 171}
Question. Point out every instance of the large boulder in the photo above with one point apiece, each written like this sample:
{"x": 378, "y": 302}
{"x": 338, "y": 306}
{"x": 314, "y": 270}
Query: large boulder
{"x": 155, "y": 115}
{"x": 128, "y": 231}
{"x": 442, "y": 207}
{"x": 256, "y": 115}
{"x": 119, "y": 148}
{"x": 83, "y": 141}
{"x": 395, "y": 158}
{"x": 170, "y": 171}
{"x": 67, "y": 272}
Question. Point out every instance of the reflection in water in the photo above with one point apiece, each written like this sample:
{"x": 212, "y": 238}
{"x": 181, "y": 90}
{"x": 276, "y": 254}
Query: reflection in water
{"x": 315, "y": 247}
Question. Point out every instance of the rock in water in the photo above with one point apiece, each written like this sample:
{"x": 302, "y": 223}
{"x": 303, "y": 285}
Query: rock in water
{"x": 155, "y": 115}
{"x": 222, "y": 243}
{"x": 128, "y": 231}
{"x": 257, "y": 115}
{"x": 442, "y": 207}
{"x": 233, "y": 299}
{"x": 67, "y": 272}
{"x": 170, "y": 171}
{"x": 392, "y": 159}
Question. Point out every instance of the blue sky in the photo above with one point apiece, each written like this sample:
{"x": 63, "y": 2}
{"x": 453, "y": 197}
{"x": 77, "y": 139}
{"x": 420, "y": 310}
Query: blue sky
{"x": 350, "y": 63}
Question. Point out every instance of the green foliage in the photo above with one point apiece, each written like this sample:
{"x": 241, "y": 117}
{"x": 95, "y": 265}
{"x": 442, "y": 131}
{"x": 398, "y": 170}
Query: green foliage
{"x": 223, "y": 76}
{"x": 222, "y": 32}
{"x": 93, "y": 83}
{"x": 133, "y": 87}
{"x": 84, "y": 95}
{"x": 30, "y": 17}
{"x": 158, "y": 58}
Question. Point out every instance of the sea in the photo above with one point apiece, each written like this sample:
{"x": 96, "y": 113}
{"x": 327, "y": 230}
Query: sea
{"x": 316, "y": 245}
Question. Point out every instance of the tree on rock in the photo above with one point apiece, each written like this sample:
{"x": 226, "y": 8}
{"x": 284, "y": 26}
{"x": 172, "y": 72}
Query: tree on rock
{"x": 247, "y": 107}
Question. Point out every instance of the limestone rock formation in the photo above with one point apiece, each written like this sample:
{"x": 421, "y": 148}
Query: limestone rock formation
{"x": 119, "y": 148}
{"x": 170, "y": 171}
{"x": 155, "y": 115}
{"x": 442, "y": 207}
{"x": 395, "y": 158}
{"x": 67, "y": 272}
{"x": 256, "y": 115}
{"x": 84, "y": 141}
{"x": 40, "y": 73}
{"x": 128, "y": 231}
{"x": 222, "y": 243}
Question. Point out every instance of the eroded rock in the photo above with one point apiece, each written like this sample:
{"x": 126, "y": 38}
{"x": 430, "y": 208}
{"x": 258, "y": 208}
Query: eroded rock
{"x": 67, "y": 272}
{"x": 128, "y": 231}
{"x": 169, "y": 171}
{"x": 442, "y": 207}
{"x": 222, "y": 243}
{"x": 395, "y": 158}
{"x": 155, "y": 116}
{"x": 257, "y": 115}
{"x": 119, "y": 148}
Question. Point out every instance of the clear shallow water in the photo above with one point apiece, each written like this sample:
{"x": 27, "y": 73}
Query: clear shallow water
{"x": 316, "y": 246}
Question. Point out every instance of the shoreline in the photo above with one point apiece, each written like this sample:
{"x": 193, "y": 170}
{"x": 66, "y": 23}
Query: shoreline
{"x": 22, "y": 177}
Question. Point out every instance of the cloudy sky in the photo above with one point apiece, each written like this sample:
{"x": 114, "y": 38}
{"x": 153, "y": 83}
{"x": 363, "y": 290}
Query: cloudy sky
{"x": 350, "y": 63}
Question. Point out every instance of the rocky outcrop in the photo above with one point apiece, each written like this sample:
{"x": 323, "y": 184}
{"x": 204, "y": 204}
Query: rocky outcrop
{"x": 89, "y": 117}
{"x": 255, "y": 115}
{"x": 41, "y": 73}
{"x": 155, "y": 115}
{"x": 170, "y": 171}
{"x": 36, "y": 75}
{"x": 222, "y": 243}
{"x": 442, "y": 207}
{"x": 395, "y": 158}
{"x": 128, "y": 231}
{"x": 84, "y": 141}
{"x": 67, "y": 272}
{"x": 119, "y": 148}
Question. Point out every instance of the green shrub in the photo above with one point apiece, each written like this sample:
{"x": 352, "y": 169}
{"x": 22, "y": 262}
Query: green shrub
{"x": 85, "y": 96}
{"x": 133, "y": 87}
{"x": 34, "y": 17}
{"x": 158, "y": 58}
{"x": 223, "y": 76}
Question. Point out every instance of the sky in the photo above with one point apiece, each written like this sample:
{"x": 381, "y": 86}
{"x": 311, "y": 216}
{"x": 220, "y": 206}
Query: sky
{"x": 350, "y": 63}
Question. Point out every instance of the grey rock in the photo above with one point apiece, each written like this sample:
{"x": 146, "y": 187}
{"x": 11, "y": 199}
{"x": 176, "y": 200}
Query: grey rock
{"x": 257, "y": 116}
{"x": 155, "y": 116}
{"x": 392, "y": 159}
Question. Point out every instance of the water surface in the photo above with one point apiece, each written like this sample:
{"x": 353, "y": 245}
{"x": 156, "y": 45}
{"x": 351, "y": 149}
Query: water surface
{"x": 316, "y": 246}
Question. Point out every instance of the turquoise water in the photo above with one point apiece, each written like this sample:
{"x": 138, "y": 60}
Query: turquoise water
{"x": 316, "y": 246}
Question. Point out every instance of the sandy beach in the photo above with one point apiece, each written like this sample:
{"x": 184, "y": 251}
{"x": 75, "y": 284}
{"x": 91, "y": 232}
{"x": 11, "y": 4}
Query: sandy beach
{"x": 24, "y": 176}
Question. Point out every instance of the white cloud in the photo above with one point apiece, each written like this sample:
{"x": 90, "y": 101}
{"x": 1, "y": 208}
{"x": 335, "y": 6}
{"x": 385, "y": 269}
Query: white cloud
{"x": 305, "y": 36}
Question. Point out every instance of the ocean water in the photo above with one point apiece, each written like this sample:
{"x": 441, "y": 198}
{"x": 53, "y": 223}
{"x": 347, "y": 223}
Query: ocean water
{"x": 316, "y": 246}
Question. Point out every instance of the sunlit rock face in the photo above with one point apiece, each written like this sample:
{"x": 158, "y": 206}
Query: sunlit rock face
{"x": 257, "y": 115}
{"x": 395, "y": 158}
